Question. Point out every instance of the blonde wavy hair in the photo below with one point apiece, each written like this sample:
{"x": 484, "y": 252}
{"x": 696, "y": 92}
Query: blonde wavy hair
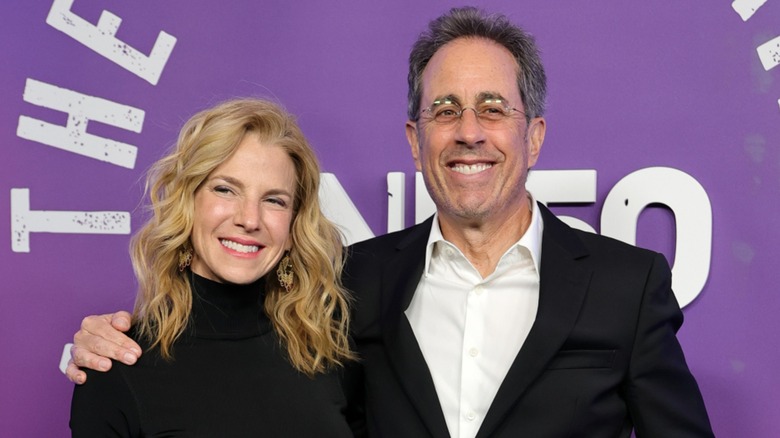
{"x": 312, "y": 319}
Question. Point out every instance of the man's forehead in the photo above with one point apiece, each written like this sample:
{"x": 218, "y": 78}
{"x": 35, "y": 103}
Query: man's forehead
{"x": 471, "y": 88}
{"x": 470, "y": 69}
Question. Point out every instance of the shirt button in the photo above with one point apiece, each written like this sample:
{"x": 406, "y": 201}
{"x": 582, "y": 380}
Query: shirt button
{"x": 471, "y": 416}
{"x": 478, "y": 290}
{"x": 473, "y": 352}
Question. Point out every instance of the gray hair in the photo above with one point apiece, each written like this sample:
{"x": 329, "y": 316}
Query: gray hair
{"x": 471, "y": 22}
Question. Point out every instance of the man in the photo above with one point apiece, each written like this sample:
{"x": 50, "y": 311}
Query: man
{"x": 493, "y": 318}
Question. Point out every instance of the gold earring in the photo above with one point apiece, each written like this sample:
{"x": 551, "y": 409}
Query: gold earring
{"x": 185, "y": 257}
{"x": 285, "y": 273}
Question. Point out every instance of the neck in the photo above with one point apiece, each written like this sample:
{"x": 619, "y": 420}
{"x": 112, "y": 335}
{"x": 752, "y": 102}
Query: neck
{"x": 227, "y": 311}
{"x": 484, "y": 241}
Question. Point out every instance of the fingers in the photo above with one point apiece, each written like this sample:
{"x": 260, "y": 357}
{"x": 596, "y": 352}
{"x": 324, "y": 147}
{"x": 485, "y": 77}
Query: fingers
{"x": 121, "y": 321}
{"x": 98, "y": 341}
{"x": 84, "y": 358}
{"x": 74, "y": 374}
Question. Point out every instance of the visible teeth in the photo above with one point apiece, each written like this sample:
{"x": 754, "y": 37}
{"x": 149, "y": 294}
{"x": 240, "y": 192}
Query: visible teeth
{"x": 239, "y": 247}
{"x": 470, "y": 169}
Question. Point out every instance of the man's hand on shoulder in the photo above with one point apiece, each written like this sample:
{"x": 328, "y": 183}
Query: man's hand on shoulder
{"x": 100, "y": 339}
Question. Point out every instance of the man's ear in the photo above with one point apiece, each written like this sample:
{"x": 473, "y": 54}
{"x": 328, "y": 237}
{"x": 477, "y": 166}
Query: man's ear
{"x": 412, "y": 136}
{"x": 535, "y": 138}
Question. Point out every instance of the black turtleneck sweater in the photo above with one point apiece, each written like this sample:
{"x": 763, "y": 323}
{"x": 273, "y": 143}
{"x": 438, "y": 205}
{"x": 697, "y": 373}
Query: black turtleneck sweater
{"x": 230, "y": 377}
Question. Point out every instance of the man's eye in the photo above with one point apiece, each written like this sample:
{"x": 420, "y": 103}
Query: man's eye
{"x": 492, "y": 113}
{"x": 491, "y": 109}
{"x": 446, "y": 112}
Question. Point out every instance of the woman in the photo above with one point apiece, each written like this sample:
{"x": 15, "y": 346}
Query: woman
{"x": 240, "y": 311}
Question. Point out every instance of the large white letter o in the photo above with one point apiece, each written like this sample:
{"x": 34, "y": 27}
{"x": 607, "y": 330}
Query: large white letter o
{"x": 693, "y": 217}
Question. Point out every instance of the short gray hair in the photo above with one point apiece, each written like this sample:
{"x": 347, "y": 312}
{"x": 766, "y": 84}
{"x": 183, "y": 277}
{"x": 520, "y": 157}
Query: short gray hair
{"x": 469, "y": 22}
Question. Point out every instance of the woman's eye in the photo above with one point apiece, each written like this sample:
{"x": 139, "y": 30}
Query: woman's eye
{"x": 277, "y": 201}
{"x": 222, "y": 189}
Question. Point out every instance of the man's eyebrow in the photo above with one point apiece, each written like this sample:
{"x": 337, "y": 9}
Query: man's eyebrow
{"x": 480, "y": 97}
{"x": 449, "y": 98}
{"x": 485, "y": 95}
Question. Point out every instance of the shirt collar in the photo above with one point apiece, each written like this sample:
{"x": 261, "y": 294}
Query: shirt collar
{"x": 531, "y": 239}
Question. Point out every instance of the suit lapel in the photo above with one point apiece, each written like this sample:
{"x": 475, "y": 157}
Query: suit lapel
{"x": 563, "y": 284}
{"x": 400, "y": 277}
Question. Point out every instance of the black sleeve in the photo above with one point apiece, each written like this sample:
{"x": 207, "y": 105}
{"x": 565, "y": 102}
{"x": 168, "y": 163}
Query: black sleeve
{"x": 353, "y": 385}
{"x": 104, "y": 406}
{"x": 663, "y": 396}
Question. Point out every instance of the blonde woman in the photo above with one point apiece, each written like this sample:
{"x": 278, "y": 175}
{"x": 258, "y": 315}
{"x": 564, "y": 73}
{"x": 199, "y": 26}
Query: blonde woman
{"x": 240, "y": 313}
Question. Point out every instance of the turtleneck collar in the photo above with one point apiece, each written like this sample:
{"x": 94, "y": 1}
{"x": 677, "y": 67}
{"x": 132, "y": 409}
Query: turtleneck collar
{"x": 227, "y": 311}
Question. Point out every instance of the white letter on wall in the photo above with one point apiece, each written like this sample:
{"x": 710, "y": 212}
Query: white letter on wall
{"x": 769, "y": 53}
{"x": 564, "y": 186}
{"x": 746, "y": 8}
{"x": 396, "y": 201}
{"x": 80, "y": 109}
{"x": 102, "y": 39}
{"x": 337, "y": 207}
{"x": 693, "y": 216}
{"x": 24, "y": 221}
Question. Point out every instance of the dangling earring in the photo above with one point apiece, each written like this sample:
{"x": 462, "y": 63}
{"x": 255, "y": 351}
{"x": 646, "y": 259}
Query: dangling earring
{"x": 285, "y": 273}
{"x": 185, "y": 257}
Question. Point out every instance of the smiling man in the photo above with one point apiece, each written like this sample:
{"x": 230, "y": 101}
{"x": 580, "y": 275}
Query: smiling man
{"x": 493, "y": 318}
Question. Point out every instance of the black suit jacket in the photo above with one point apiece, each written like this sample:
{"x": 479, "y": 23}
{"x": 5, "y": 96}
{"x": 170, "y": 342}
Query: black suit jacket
{"x": 602, "y": 356}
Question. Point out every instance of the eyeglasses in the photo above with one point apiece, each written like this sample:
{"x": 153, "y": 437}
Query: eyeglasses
{"x": 491, "y": 112}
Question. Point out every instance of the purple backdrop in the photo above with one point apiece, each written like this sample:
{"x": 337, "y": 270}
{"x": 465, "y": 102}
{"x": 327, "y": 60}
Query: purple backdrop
{"x": 666, "y": 83}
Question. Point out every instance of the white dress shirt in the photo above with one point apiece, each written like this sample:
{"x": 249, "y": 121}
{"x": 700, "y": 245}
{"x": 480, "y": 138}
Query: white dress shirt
{"x": 471, "y": 328}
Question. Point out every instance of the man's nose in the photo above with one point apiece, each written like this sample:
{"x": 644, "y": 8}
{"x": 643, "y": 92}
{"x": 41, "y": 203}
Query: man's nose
{"x": 469, "y": 129}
